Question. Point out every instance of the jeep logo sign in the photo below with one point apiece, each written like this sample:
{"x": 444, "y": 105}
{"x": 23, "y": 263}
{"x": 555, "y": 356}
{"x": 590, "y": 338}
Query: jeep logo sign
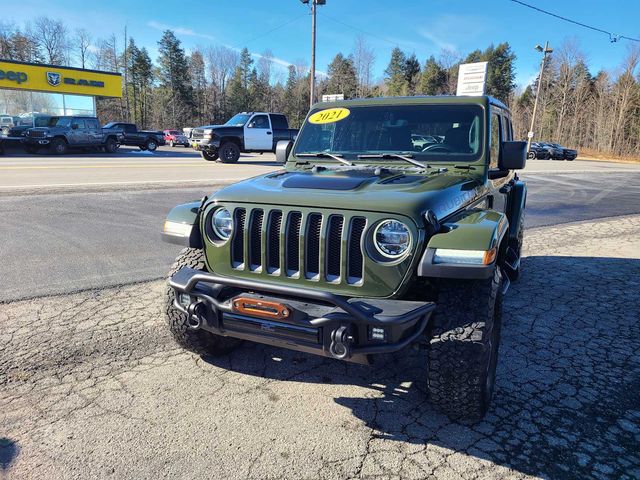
{"x": 53, "y": 79}
{"x": 18, "y": 77}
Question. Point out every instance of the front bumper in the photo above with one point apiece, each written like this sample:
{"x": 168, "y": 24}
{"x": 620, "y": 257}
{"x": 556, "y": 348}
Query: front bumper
{"x": 317, "y": 322}
{"x": 206, "y": 145}
{"x": 35, "y": 141}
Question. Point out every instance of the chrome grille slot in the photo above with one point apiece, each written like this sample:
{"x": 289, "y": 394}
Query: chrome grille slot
{"x": 312, "y": 245}
{"x": 333, "y": 248}
{"x": 273, "y": 241}
{"x": 355, "y": 263}
{"x": 237, "y": 248}
{"x": 292, "y": 242}
{"x": 255, "y": 240}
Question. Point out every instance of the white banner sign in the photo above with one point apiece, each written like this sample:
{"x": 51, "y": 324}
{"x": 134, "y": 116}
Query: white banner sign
{"x": 333, "y": 98}
{"x": 472, "y": 79}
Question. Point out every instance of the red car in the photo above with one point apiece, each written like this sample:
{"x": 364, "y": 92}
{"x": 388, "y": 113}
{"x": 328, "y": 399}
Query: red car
{"x": 175, "y": 137}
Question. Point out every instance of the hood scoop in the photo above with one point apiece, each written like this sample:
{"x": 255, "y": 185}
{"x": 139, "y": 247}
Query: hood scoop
{"x": 345, "y": 181}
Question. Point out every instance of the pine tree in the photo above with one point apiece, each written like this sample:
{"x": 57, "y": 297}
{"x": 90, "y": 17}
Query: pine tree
{"x": 342, "y": 77}
{"x": 412, "y": 74}
{"x": 396, "y": 74}
{"x": 239, "y": 95}
{"x": 173, "y": 73}
{"x": 433, "y": 80}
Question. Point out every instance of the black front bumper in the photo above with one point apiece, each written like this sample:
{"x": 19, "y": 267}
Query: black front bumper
{"x": 319, "y": 322}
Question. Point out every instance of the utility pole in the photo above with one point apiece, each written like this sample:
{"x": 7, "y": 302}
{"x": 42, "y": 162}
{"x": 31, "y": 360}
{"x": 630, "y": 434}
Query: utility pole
{"x": 314, "y": 6}
{"x": 545, "y": 51}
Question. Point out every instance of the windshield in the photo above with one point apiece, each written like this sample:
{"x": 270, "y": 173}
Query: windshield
{"x": 238, "y": 120}
{"x": 429, "y": 132}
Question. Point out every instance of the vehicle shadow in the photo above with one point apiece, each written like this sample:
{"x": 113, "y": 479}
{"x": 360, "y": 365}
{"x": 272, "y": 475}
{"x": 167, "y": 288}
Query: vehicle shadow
{"x": 9, "y": 451}
{"x": 567, "y": 402}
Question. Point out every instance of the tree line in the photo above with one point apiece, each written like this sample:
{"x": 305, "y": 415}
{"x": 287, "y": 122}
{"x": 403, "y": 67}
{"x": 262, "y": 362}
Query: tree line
{"x": 598, "y": 111}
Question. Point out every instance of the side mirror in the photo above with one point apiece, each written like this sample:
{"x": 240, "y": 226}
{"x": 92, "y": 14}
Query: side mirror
{"x": 513, "y": 156}
{"x": 283, "y": 149}
{"x": 74, "y": 126}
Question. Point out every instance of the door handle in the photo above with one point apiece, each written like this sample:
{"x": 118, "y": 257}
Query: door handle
{"x": 268, "y": 133}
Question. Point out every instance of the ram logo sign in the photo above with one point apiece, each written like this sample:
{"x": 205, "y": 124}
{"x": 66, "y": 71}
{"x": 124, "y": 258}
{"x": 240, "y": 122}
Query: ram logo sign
{"x": 53, "y": 79}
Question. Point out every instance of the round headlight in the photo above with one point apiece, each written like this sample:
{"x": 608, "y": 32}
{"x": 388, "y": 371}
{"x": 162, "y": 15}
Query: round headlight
{"x": 392, "y": 238}
{"x": 222, "y": 223}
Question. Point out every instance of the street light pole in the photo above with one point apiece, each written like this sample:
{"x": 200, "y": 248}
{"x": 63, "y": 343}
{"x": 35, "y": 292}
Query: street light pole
{"x": 546, "y": 50}
{"x": 312, "y": 95}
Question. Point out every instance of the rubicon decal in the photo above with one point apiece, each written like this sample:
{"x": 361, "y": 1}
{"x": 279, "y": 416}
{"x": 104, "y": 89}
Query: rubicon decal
{"x": 18, "y": 77}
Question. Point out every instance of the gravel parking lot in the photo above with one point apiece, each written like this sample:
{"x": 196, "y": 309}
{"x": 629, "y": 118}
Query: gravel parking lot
{"x": 93, "y": 387}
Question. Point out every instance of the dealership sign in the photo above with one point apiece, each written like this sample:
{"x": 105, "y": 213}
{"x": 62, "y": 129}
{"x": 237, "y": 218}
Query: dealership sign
{"x": 472, "y": 79}
{"x": 48, "y": 78}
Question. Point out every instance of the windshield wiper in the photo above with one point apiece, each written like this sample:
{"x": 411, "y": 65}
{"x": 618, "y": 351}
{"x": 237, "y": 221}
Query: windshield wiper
{"x": 407, "y": 158}
{"x": 335, "y": 156}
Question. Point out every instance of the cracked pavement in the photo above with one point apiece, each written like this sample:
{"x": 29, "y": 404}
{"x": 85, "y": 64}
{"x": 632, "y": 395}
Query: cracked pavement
{"x": 92, "y": 386}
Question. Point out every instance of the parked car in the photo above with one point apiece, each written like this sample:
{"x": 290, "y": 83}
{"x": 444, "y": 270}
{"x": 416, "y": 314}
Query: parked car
{"x": 567, "y": 153}
{"x": 358, "y": 247}
{"x": 538, "y": 151}
{"x": 555, "y": 153}
{"x": 7, "y": 121}
{"x": 244, "y": 132}
{"x": 175, "y": 137}
{"x": 143, "y": 139}
{"x": 68, "y": 132}
{"x": 16, "y": 132}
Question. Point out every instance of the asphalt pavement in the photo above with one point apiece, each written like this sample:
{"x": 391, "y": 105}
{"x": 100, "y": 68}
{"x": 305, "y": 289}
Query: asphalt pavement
{"x": 92, "y": 386}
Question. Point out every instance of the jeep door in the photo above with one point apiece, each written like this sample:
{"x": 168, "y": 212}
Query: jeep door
{"x": 94, "y": 132}
{"x": 79, "y": 134}
{"x": 258, "y": 134}
{"x": 500, "y": 131}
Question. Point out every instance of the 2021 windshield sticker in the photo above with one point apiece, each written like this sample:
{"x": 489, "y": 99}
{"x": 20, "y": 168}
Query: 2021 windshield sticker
{"x": 329, "y": 115}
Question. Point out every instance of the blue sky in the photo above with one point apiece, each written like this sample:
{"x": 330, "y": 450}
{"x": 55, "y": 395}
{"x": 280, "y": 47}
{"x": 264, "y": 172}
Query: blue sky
{"x": 422, "y": 27}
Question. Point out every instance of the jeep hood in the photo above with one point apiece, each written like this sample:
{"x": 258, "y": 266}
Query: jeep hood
{"x": 358, "y": 189}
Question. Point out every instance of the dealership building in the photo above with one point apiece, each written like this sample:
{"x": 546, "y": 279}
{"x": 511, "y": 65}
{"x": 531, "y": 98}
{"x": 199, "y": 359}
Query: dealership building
{"x": 32, "y": 91}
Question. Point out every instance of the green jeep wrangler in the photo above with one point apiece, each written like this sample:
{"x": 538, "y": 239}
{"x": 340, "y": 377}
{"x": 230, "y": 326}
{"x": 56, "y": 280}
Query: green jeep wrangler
{"x": 394, "y": 221}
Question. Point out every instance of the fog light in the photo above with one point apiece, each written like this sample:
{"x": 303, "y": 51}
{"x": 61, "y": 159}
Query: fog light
{"x": 377, "y": 333}
{"x": 184, "y": 299}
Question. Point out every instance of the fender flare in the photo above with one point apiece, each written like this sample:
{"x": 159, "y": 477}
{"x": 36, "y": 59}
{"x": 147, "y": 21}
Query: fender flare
{"x": 182, "y": 225}
{"x": 472, "y": 230}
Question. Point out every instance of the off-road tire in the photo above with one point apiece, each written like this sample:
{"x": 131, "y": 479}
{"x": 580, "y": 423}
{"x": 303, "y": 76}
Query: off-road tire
{"x": 151, "y": 145}
{"x": 209, "y": 157}
{"x": 229, "y": 152}
{"x": 197, "y": 341}
{"x": 463, "y": 346}
{"x": 58, "y": 146}
{"x": 111, "y": 145}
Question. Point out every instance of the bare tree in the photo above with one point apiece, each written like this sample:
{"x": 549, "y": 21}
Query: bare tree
{"x": 265, "y": 64}
{"x": 363, "y": 61}
{"x": 221, "y": 61}
{"x": 52, "y": 38}
{"x": 82, "y": 42}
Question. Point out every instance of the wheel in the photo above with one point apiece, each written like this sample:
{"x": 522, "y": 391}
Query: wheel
{"x": 111, "y": 146}
{"x": 151, "y": 145}
{"x": 58, "y": 146}
{"x": 198, "y": 341}
{"x": 172, "y": 144}
{"x": 531, "y": 155}
{"x": 210, "y": 157}
{"x": 229, "y": 152}
{"x": 463, "y": 347}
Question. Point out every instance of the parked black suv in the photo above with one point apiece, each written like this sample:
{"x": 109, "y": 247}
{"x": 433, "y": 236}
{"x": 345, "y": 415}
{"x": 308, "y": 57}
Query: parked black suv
{"x": 70, "y": 132}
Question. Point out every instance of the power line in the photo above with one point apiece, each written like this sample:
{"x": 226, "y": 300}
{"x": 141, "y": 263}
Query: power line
{"x": 613, "y": 37}
{"x": 245, "y": 42}
{"x": 377, "y": 37}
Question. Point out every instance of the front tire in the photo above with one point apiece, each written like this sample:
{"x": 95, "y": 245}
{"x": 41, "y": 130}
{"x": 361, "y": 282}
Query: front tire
{"x": 229, "y": 152}
{"x": 531, "y": 155}
{"x": 197, "y": 341}
{"x": 209, "y": 157}
{"x": 463, "y": 353}
{"x": 58, "y": 146}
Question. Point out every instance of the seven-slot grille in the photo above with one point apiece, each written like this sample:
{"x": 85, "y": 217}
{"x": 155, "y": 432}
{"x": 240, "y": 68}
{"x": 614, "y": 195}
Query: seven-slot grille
{"x": 36, "y": 133}
{"x": 313, "y": 246}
